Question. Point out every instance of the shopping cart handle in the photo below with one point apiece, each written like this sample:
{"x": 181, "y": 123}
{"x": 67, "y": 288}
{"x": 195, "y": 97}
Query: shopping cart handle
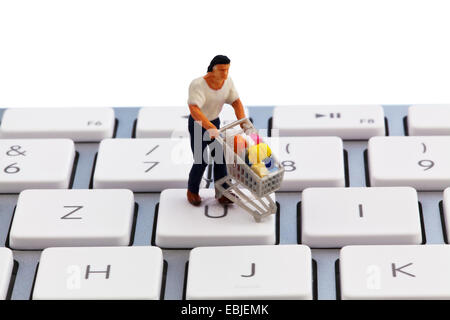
{"x": 235, "y": 123}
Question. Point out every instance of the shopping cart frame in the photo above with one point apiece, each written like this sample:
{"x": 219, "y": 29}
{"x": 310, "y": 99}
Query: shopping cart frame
{"x": 240, "y": 176}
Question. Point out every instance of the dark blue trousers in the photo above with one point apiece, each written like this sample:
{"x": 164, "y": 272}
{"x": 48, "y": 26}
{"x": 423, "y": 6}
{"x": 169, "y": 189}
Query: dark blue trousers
{"x": 199, "y": 141}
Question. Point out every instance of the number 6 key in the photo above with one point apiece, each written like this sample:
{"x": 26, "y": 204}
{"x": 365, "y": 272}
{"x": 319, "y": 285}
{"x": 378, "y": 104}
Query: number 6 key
{"x": 419, "y": 162}
{"x": 35, "y": 164}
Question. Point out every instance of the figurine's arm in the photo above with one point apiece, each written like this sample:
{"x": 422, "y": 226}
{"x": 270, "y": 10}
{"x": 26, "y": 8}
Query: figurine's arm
{"x": 238, "y": 109}
{"x": 240, "y": 113}
{"x": 198, "y": 115}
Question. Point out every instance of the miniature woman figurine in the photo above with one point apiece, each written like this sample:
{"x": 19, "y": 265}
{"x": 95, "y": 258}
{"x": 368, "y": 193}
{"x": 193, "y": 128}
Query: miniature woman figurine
{"x": 207, "y": 95}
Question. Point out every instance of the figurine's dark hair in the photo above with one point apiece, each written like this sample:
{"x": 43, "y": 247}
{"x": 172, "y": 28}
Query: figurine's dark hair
{"x": 218, "y": 60}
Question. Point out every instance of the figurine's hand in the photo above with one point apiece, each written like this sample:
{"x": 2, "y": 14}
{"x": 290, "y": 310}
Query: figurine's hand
{"x": 244, "y": 125}
{"x": 213, "y": 133}
{"x": 247, "y": 128}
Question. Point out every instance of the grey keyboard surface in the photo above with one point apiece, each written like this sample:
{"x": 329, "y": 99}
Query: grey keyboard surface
{"x": 176, "y": 259}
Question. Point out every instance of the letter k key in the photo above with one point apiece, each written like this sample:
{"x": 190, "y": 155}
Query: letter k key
{"x": 399, "y": 269}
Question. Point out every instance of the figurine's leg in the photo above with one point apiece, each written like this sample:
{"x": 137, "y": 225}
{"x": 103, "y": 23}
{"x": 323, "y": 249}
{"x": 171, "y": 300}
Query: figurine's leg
{"x": 195, "y": 178}
{"x": 220, "y": 171}
{"x": 220, "y": 167}
{"x": 198, "y": 145}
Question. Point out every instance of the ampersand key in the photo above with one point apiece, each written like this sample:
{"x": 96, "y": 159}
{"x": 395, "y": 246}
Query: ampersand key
{"x": 16, "y": 150}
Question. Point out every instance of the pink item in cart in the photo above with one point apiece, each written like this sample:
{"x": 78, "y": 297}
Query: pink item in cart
{"x": 255, "y": 137}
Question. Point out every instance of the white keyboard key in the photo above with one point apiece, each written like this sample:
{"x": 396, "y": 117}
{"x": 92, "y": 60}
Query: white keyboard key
{"x": 429, "y": 120}
{"x": 395, "y": 272}
{"x": 182, "y": 225}
{"x": 78, "y": 124}
{"x": 227, "y": 115}
{"x": 336, "y": 217}
{"x": 419, "y": 162}
{"x": 446, "y": 211}
{"x": 162, "y": 122}
{"x": 348, "y": 122}
{"x": 143, "y": 165}
{"x": 105, "y": 273}
{"x": 250, "y": 272}
{"x": 6, "y": 269}
{"x": 35, "y": 164}
{"x": 58, "y": 218}
{"x": 309, "y": 161}
{"x": 172, "y": 122}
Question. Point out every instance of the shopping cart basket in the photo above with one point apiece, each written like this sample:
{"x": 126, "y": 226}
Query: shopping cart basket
{"x": 258, "y": 201}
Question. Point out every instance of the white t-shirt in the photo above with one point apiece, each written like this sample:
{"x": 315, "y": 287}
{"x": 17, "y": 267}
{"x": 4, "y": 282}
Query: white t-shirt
{"x": 211, "y": 101}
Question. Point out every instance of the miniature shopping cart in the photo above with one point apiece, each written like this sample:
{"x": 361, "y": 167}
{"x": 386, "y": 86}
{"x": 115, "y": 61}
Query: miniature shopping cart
{"x": 256, "y": 199}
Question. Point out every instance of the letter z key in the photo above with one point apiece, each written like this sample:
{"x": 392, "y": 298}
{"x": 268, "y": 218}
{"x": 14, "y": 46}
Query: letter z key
{"x": 78, "y": 217}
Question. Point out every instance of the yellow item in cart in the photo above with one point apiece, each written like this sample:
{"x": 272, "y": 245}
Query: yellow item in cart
{"x": 260, "y": 169}
{"x": 258, "y": 153}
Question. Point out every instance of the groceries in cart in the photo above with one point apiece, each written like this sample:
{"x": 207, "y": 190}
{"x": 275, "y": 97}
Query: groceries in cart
{"x": 252, "y": 167}
{"x": 255, "y": 153}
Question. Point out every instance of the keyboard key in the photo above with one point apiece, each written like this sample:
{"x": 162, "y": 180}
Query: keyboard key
{"x": 35, "y": 164}
{"x": 348, "y": 122}
{"x": 253, "y": 272}
{"x": 181, "y": 225}
{"x": 162, "y": 122}
{"x": 143, "y": 165}
{"x": 58, "y": 218}
{"x": 172, "y": 122}
{"x": 310, "y": 161}
{"x": 336, "y": 217}
{"x": 99, "y": 273}
{"x": 395, "y": 272}
{"x": 227, "y": 115}
{"x": 78, "y": 124}
{"x": 446, "y": 211}
{"x": 429, "y": 120}
{"x": 6, "y": 269}
{"x": 419, "y": 162}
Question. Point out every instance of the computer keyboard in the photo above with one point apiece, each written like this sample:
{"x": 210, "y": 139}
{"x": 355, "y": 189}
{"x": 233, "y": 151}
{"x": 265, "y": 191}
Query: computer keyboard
{"x": 136, "y": 163}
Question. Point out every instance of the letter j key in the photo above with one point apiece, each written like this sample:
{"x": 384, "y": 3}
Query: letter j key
{"x": 250, "y": 272}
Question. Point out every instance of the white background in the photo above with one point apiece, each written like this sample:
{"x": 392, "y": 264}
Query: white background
{"x": 145, "y": 53}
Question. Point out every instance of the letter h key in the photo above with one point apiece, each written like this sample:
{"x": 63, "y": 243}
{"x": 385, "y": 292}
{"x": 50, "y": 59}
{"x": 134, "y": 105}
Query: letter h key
{"x": 105, "y": 273}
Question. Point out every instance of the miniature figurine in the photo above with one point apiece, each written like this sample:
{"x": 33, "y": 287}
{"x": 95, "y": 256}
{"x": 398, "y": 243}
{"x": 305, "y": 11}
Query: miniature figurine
{"x": 207, "y": 95}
